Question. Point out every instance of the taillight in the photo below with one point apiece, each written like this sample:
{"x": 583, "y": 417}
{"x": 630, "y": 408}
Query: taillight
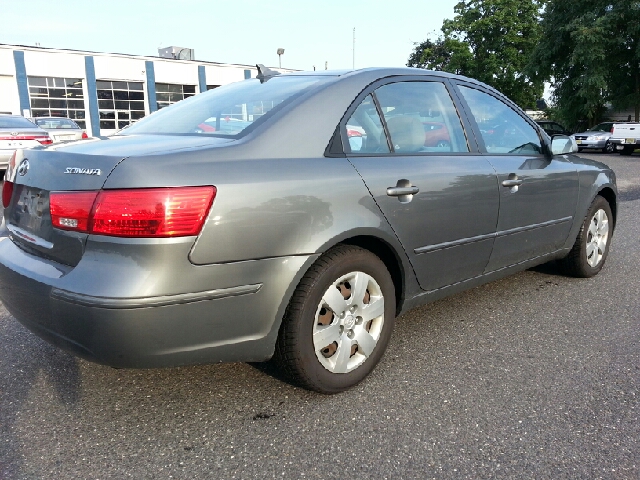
{"x": 7, "y": 191}
{"x": 84, "y": 135}
{"x": 42, "y": 139}
{"x": 149, "y": 212}
{"x": 71, "y": 210}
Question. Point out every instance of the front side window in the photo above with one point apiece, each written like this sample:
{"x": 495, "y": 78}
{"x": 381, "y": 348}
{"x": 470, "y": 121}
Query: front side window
{"x": 225, "y": 111}
{"x": 501, "y": 128}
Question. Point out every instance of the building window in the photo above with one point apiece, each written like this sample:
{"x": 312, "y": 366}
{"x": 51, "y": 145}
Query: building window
{"x": 119, "y": 103}
{"x": 57, "y": 97}
{"x": 211, "y": 87}
{"x": 168, "y": 93}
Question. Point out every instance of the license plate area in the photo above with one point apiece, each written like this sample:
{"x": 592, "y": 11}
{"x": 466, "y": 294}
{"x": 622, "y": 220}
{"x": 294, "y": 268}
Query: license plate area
{"x": 630, "y": 140}
{"x": 31, "y": 210}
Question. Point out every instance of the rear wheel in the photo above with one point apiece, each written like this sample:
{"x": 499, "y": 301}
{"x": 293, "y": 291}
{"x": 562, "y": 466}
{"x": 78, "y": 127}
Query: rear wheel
{"x": 591, "y": 247}
{"x": 339, "y": 321}
{"x": 627, "y": 150}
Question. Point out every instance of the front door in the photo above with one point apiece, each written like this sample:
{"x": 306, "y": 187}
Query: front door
{"x": 538, "y": 192}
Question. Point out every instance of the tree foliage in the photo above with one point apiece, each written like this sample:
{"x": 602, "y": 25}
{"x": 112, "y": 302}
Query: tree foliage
{"x": 491, "y": 41}
{"x": 591, "y": 50}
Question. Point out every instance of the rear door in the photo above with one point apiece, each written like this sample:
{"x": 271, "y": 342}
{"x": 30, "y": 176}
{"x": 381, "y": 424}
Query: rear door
{"x": 439, "y": 196}
{"x": 538, "y": 191}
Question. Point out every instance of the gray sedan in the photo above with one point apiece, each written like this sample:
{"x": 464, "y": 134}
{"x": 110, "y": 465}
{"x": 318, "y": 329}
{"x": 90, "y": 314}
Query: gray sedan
{"x": 291, "y": 217}
{"x": 595, "y": 138}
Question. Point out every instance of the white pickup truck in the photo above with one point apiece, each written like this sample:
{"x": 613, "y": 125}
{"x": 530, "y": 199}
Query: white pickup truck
{"x": 625, "y": 137}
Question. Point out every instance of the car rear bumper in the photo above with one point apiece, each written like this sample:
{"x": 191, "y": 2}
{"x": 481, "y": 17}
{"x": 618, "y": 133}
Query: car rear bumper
{"x": 231, "y": 323}
{"x": 626, "y": 142}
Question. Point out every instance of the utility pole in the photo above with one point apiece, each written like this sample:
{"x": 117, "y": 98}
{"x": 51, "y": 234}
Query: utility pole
{"x": 354, "y": 49}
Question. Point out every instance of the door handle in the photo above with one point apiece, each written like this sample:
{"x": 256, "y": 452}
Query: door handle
{"x": 403, "y": 190}
{"x": 511, "y": 182}
{"x": 399, "y": 191}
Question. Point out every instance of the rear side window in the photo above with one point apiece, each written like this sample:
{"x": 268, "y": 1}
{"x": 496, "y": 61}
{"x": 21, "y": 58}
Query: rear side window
{"x": 421, "y": 117}
{"x": 503, "y": 130}
{"x": 365, "y": 133}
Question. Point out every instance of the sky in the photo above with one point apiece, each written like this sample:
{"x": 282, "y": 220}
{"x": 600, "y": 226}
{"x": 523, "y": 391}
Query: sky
{"x": 233, "y": 31}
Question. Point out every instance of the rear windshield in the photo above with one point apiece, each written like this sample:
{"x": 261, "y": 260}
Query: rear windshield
{"x": 15, "y": 122}
{"x": 55, "y": 123}
{"x": 228, "y": 110}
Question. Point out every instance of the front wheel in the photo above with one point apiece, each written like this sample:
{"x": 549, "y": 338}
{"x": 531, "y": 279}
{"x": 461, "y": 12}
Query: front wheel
{"x": 339, "y": 321}
{"x": 591, "y": 247}
{"x": 608, "y": 148}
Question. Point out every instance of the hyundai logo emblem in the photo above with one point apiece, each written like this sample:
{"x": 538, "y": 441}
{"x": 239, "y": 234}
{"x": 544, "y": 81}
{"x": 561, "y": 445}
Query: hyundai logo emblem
{"x": 14, "y": 134}
{"x": 23, "y": 168}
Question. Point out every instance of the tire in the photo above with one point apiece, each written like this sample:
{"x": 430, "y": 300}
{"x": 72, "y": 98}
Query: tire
{"x": 609, "y": 148}
{"x": 591, "y": 247}
{"x": 627, "y": 150}
{"x": 580, "y": 149}
{"x": 313, "y": 336}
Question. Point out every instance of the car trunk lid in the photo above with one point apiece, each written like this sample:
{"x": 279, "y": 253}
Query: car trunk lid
{"x": 35, "y": 174}
{"x": 74, "y": 167}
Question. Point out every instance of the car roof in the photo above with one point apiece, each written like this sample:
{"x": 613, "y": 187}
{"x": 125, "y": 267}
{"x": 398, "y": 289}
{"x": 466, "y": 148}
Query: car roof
{"x": 382, "y": 72}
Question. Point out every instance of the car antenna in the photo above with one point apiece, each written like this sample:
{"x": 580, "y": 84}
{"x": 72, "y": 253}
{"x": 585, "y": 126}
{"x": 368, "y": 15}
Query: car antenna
{"x": 265, "y": 73}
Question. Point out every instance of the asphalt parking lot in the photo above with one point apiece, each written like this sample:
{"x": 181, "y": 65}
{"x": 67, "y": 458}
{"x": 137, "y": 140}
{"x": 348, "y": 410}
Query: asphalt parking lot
{"x": 533, "y": 376}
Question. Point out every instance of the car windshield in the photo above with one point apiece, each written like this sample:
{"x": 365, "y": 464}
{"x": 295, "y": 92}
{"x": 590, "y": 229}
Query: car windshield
{"x": 226, "y": 111}
{"x": 602, "y": 127}
{"x": 15, "y": 122}
{"x": 55, "y": 123}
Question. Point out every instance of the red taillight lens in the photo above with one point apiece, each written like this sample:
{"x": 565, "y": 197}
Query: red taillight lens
{"x": 150, "y": 212}
{"x": 43, "y": 139}
{"x": 84, "y": 135}
{"x": 71, "y": 210}
{"x": 7, "y": 191}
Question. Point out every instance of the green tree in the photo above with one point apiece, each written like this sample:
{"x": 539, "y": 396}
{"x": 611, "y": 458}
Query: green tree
{"x": 591, "y": 51}
{"x": 491, "y": 41}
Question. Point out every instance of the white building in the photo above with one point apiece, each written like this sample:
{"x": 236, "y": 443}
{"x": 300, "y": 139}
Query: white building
{"x": 102, "y": 92}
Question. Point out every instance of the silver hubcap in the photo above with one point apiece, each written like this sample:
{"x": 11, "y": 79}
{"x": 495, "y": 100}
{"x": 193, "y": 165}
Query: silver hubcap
{"x": 597, "y": 237}
{"x": 348, "y": 322}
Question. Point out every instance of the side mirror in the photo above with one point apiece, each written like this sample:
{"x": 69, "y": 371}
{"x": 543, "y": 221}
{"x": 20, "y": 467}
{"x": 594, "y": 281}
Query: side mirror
{"x": 561, "y": 144}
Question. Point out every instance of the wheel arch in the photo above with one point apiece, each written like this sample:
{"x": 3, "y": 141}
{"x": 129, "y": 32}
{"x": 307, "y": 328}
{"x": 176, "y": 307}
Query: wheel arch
{"x": 610, "y": 196}
{"x": 389, "y": 257}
